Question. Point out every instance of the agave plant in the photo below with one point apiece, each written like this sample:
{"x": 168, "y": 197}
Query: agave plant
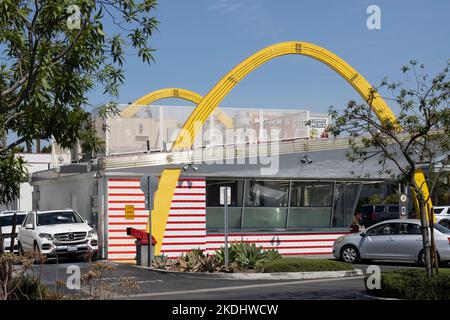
{"x": 249, "y": 256}
{"x": 160, "y": 262}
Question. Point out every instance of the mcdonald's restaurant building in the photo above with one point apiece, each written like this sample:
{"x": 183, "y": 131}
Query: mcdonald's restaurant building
{"x": 296, "y": 193}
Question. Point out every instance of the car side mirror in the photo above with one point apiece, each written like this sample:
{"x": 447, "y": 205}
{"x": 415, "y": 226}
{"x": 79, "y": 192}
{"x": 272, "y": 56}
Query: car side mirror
{"x": 363, "y": 234}
{"x": 29, "y": 226}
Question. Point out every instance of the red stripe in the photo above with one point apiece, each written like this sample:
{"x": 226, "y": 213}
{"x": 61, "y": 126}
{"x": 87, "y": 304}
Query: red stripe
{"x": 126, "y": 201}
{"x": 124, "y": 180}
{"x": 121, "y": 259}
{"x": 125, "y": 194}
{"x": 188, "y": 194}
{"x": 122, "y": 252}
{"x": 121, "y": 209}
{"x": 176, "y": 250}
{"x": 191, "y": 179}
{"x": 123, "y": 216}
{"x": 190, "y": 187}
{"x": 120, "y": 230}
{"x": 186, "y": 222}
{"x": 121, "y": 245}
{"x": 188, "y": 215}
{"x": 290, "y": 247}
{"x": 277, "y": 234}
{"x": 187, "y": 208}
{"x": 184, "y": 236}
{"x": 181, "y": 243}
{"x": 124, "y": 187}
{"x": 184, "y": 201}
{"x": 270, "y": 241}
{"x": 186, "y": 229}
{"x": 120, "y": 238}
{"x": 126, "y": 223}
{"x": 303, "y": 253}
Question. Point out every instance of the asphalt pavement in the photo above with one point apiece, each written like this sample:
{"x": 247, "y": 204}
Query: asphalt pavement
{"x": 156, "y": 285}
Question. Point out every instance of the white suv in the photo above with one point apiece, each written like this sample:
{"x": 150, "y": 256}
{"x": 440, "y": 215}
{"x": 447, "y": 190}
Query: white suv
{"x": 57, "y": 232}
{"x": 442, "y": 215}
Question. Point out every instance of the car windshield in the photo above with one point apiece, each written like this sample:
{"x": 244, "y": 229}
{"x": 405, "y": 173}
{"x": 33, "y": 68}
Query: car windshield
{"x": 44, "y": 219}
{"x": 438, "y": 210}
{"x": 8, "y": 220}
{"x": 442, "y": 229}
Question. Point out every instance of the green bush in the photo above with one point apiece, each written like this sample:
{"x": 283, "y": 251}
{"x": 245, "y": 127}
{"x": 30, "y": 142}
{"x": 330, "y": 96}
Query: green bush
{"x": 305, "y": 265}
{"x": 28, "y": 288}
{"x": 244, "y": 255}
{"x": 414, "y": 285}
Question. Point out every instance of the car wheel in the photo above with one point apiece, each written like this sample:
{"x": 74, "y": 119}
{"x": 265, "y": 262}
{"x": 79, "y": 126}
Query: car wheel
{"x": 350, "y": 254}
{"x": 445, "y": 223}
{"x": 37, "y": 254}
{"x": 20, "y": 249}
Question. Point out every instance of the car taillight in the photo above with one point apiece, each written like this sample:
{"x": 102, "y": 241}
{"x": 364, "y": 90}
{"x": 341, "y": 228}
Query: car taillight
{"x": 448, "y": 240}
{"x": 373, "y": 216}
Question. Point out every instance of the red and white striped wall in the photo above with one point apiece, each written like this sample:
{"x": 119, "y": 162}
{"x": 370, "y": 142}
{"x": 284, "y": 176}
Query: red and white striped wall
{"x": 285, "y": 243}
{"x": 186, "y": 224}
{"x": 123, "y": 192}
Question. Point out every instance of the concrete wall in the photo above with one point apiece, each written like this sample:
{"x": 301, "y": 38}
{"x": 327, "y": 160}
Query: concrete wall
{"x": 68, "y": 192}
{"x": 35, "y": 162}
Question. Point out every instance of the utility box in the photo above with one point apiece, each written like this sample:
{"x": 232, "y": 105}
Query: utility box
{"x": 141, "y": 246}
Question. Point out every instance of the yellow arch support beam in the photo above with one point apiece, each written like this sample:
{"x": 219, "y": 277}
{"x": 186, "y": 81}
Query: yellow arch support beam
{"x": 210, "y": 102}
{"x": 229, "y": 81}
{"x": 160, "y": 94}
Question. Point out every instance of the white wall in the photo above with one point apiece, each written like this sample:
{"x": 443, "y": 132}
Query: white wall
{"x": 35, "y": 162}
{"x": 68, "y": 192}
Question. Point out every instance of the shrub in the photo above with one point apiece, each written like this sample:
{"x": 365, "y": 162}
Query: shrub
{"x": 244, "y": 255}
{"x": 28, "y": 288}
{"x": 305, "y": 265}
{"x": 250, "y": 256}
{"x": 414, "y": 284}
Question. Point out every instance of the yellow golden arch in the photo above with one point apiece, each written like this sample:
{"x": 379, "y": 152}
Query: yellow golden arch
{"x": 164, "y": 93}
{"x": 210, "y": 102}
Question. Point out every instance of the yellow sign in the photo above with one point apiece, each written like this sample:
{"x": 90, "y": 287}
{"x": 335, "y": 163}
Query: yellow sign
{"x": 129, "y": 212}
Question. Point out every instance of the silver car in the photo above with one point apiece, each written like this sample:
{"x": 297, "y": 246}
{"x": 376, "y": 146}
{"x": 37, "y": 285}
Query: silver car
{"x": 398, "y": 240}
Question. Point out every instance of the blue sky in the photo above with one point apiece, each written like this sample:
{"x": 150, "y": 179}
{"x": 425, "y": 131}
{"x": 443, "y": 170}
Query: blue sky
{"x": 199, "y": 41}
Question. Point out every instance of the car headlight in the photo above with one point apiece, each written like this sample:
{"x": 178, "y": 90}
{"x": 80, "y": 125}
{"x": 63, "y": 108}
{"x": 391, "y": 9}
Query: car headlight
{"x": 92, "y": 233}
{"x": 46, "y": 236}
{"x": 339, "y": 240}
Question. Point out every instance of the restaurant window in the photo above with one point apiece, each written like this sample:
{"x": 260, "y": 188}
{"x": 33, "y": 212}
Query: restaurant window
{"x": 266, "y": 193}
{"x": 213, "y": 192}
{"x": 310, "y": 204}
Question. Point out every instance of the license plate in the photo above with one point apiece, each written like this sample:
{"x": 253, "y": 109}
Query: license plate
{"x": 71, "y": 248}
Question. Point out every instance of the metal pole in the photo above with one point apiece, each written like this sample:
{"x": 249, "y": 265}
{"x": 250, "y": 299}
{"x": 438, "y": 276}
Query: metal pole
{"x": 226, "y": 225}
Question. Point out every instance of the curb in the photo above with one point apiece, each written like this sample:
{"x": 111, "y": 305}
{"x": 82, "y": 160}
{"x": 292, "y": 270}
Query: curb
{"x": 363, "y": 295}
{"x": 267, "y": 276}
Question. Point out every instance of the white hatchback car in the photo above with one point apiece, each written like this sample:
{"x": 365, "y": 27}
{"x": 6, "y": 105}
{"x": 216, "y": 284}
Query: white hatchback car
{"x": 57, "y": 233}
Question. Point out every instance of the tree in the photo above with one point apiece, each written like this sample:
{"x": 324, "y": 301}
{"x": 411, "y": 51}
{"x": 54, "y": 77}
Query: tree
{"x": 419, "y": 136}
{"x": 53, "y": 54}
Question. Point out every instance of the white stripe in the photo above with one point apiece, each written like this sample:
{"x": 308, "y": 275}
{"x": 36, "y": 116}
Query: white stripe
{"x": 200, "y": 205}
{"x": 184, "y": 233}
{"x": 124, "y": 183}
{"x": 194, "y": 219}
